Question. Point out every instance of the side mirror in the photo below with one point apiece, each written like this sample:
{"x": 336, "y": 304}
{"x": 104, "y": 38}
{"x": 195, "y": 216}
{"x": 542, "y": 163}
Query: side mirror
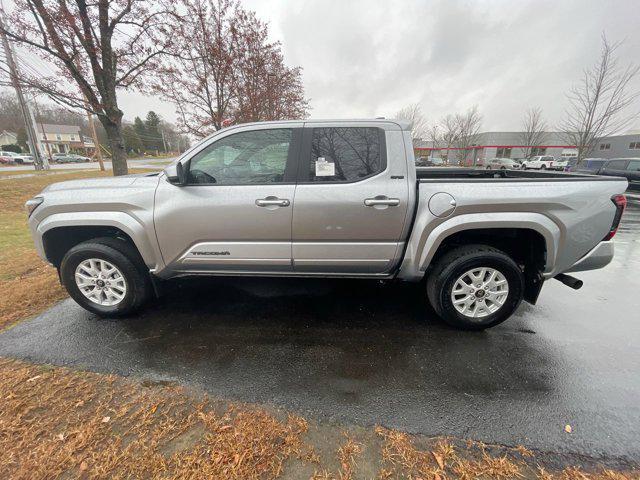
{"x": 176, "y": 174}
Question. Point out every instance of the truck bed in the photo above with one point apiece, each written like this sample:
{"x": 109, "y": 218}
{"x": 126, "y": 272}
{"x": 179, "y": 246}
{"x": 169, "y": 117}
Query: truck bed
{"x": 440, "y": 174}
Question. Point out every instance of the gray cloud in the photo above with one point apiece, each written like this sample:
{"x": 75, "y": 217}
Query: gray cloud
{"x": 365, "y": 58}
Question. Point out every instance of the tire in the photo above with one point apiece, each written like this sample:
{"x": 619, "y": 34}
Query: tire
{"x": 128, "y": 264}
{"x": 488, "y": 168}
{"x": 453, "y": 265}
{"x": 543, "y": 167}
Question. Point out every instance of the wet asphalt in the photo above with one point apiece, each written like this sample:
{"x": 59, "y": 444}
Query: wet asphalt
{"x": 359, "y": 352}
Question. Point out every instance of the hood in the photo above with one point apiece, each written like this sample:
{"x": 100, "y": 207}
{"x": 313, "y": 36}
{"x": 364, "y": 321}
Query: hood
{"x": 91, "y": 183}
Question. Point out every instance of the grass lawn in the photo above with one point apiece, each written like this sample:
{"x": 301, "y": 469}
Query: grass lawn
{"x": 28, "y": 284}
{"x": 61, "y": 423}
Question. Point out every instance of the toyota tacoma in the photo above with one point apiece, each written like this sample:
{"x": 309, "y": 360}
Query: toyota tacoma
{"x": 339, "y": 198}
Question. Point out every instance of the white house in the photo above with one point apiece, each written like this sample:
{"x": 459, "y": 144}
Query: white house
{"x": 8, "y": 138}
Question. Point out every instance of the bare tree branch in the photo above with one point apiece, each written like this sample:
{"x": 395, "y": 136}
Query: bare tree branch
{"x": 598, "y": 104}
{"x": 83, "y": 43}
{"x": 533, "y": 131}
{"x": 413, "y": 114}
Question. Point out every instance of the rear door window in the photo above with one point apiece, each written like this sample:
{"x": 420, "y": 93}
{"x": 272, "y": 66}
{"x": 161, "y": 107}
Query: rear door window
{"x": 616, "y": 165}
{"x": 346, "y": 154}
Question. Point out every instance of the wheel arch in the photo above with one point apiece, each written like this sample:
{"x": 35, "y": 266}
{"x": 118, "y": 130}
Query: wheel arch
{"x": 61, "y": 232}
{"x": 426, "y": 243}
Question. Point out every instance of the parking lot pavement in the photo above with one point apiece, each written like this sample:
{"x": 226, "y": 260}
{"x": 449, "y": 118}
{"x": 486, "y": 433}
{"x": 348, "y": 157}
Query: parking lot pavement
{"x": 363, "y": 353}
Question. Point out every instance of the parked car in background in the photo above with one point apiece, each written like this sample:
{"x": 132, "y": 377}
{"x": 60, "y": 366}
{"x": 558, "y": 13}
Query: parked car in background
{"x": 571, "y": 162}
{"x": 588, "y": 165}
{"x": 540, "y": 162}
{"x": 69, "y": 158}
{"x": 6, "y": 160}
{"x": 429, "y": 162}
{"x": 502, "y": 164}
{"x": 246, "y": 201}
{"x": 623, "y": 167}
{"x": 17, "y": 157}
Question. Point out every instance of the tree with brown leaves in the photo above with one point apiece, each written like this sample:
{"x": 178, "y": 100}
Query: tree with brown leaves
{"x": 224, "y": 70}
{"x": 93, "y": 49}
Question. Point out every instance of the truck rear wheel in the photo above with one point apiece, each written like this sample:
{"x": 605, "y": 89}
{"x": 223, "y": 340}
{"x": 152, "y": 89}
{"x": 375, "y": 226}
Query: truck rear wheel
{"x": 105, "y": 276}
{"x": 475, "y": 287}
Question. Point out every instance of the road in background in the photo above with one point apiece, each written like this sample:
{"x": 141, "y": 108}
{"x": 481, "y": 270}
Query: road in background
{"x": 135, "y": 163}
{"x": 363, "y": 353}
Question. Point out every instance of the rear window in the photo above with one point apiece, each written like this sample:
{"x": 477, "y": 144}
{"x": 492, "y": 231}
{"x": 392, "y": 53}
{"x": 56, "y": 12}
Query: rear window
{"x": 346, "y": 154}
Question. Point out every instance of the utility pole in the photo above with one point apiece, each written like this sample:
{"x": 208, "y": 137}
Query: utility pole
{"x": 40, "y": 161}
{"x": 164, "y": 143}
{"x": 44, "y": 134}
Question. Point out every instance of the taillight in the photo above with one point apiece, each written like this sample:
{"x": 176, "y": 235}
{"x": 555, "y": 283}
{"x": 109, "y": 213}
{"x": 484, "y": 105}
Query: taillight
{"x": 620, "y": 201}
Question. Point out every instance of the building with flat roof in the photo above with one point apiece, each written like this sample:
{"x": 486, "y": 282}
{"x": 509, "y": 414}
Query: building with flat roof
{"x": 618, "y": 146}
{"x": 487, "y": 145}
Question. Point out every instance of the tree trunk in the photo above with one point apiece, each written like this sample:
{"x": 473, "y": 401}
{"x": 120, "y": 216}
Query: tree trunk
{"x": 116, "y": 143}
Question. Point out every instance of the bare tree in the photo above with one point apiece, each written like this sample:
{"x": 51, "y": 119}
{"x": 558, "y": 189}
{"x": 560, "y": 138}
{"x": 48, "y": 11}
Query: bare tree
{"x": 468, "y": 126}
{"x": 449, "y": 135}
{"x": 533, "y": 130}
{"x": 413, "y": 114}
{"x": 598, "y": 104}
{"x": 223, "y": 70}
{"x": 99, "y": 47}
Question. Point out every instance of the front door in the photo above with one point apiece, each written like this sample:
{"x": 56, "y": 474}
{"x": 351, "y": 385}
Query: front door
{"x": 351, "y": 199}
{"x": 235, "y": 213}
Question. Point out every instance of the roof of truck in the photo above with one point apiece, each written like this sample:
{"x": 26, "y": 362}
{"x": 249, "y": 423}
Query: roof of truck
{"x": 403, "y": 124}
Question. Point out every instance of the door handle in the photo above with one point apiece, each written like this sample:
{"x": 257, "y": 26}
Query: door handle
{"x": 391, "y": 202}
{"x": 273, "y": 202}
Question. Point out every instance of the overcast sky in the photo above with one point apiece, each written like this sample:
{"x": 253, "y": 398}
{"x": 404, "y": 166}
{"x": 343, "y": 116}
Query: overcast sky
{"x": 367, "y": 58}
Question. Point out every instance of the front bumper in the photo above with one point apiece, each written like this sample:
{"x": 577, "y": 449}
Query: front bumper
{"x": 599, "y": 257}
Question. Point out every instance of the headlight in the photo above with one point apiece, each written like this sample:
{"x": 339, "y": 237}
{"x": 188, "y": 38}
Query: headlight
{"x": 32, "y": 204}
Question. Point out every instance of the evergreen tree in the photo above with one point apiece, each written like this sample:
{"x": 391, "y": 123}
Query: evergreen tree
{"x": 153, "y": 137}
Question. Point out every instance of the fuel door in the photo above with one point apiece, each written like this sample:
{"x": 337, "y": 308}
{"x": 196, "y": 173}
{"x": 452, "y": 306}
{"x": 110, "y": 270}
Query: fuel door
{"x": 442, "y": 204}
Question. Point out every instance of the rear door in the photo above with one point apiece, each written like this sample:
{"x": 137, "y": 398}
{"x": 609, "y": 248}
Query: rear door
{"x": 235, "y": 213}
{"x": 351, "y": 199}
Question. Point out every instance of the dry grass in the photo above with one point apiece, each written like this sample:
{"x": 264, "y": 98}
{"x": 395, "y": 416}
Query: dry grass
{"x": 59, "y": 423}
{"x": 27, "y": 284}
{"x": 440, "y": 460}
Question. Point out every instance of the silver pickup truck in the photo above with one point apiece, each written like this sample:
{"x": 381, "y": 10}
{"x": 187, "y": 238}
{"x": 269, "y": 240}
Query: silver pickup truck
{"x": 330, "y": 199}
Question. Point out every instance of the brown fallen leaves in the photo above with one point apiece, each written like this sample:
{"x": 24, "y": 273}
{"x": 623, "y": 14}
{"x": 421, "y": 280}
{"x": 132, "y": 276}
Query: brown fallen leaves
{"x": 55, "y": 422}
{"x": 440, "y": 460}
{"x": 94, "y": 426}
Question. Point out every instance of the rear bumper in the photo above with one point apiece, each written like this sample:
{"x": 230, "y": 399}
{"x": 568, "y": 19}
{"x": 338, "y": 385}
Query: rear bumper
{"x": 599, "y": 257}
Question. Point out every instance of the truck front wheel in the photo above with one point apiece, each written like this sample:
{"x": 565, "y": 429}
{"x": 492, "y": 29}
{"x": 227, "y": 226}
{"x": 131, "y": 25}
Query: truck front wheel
{"x": 105, "y": 276}
{"x": 475, "y": 287}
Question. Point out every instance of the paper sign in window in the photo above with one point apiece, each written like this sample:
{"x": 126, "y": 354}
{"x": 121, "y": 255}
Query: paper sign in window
{"x": 324, "y": 168}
